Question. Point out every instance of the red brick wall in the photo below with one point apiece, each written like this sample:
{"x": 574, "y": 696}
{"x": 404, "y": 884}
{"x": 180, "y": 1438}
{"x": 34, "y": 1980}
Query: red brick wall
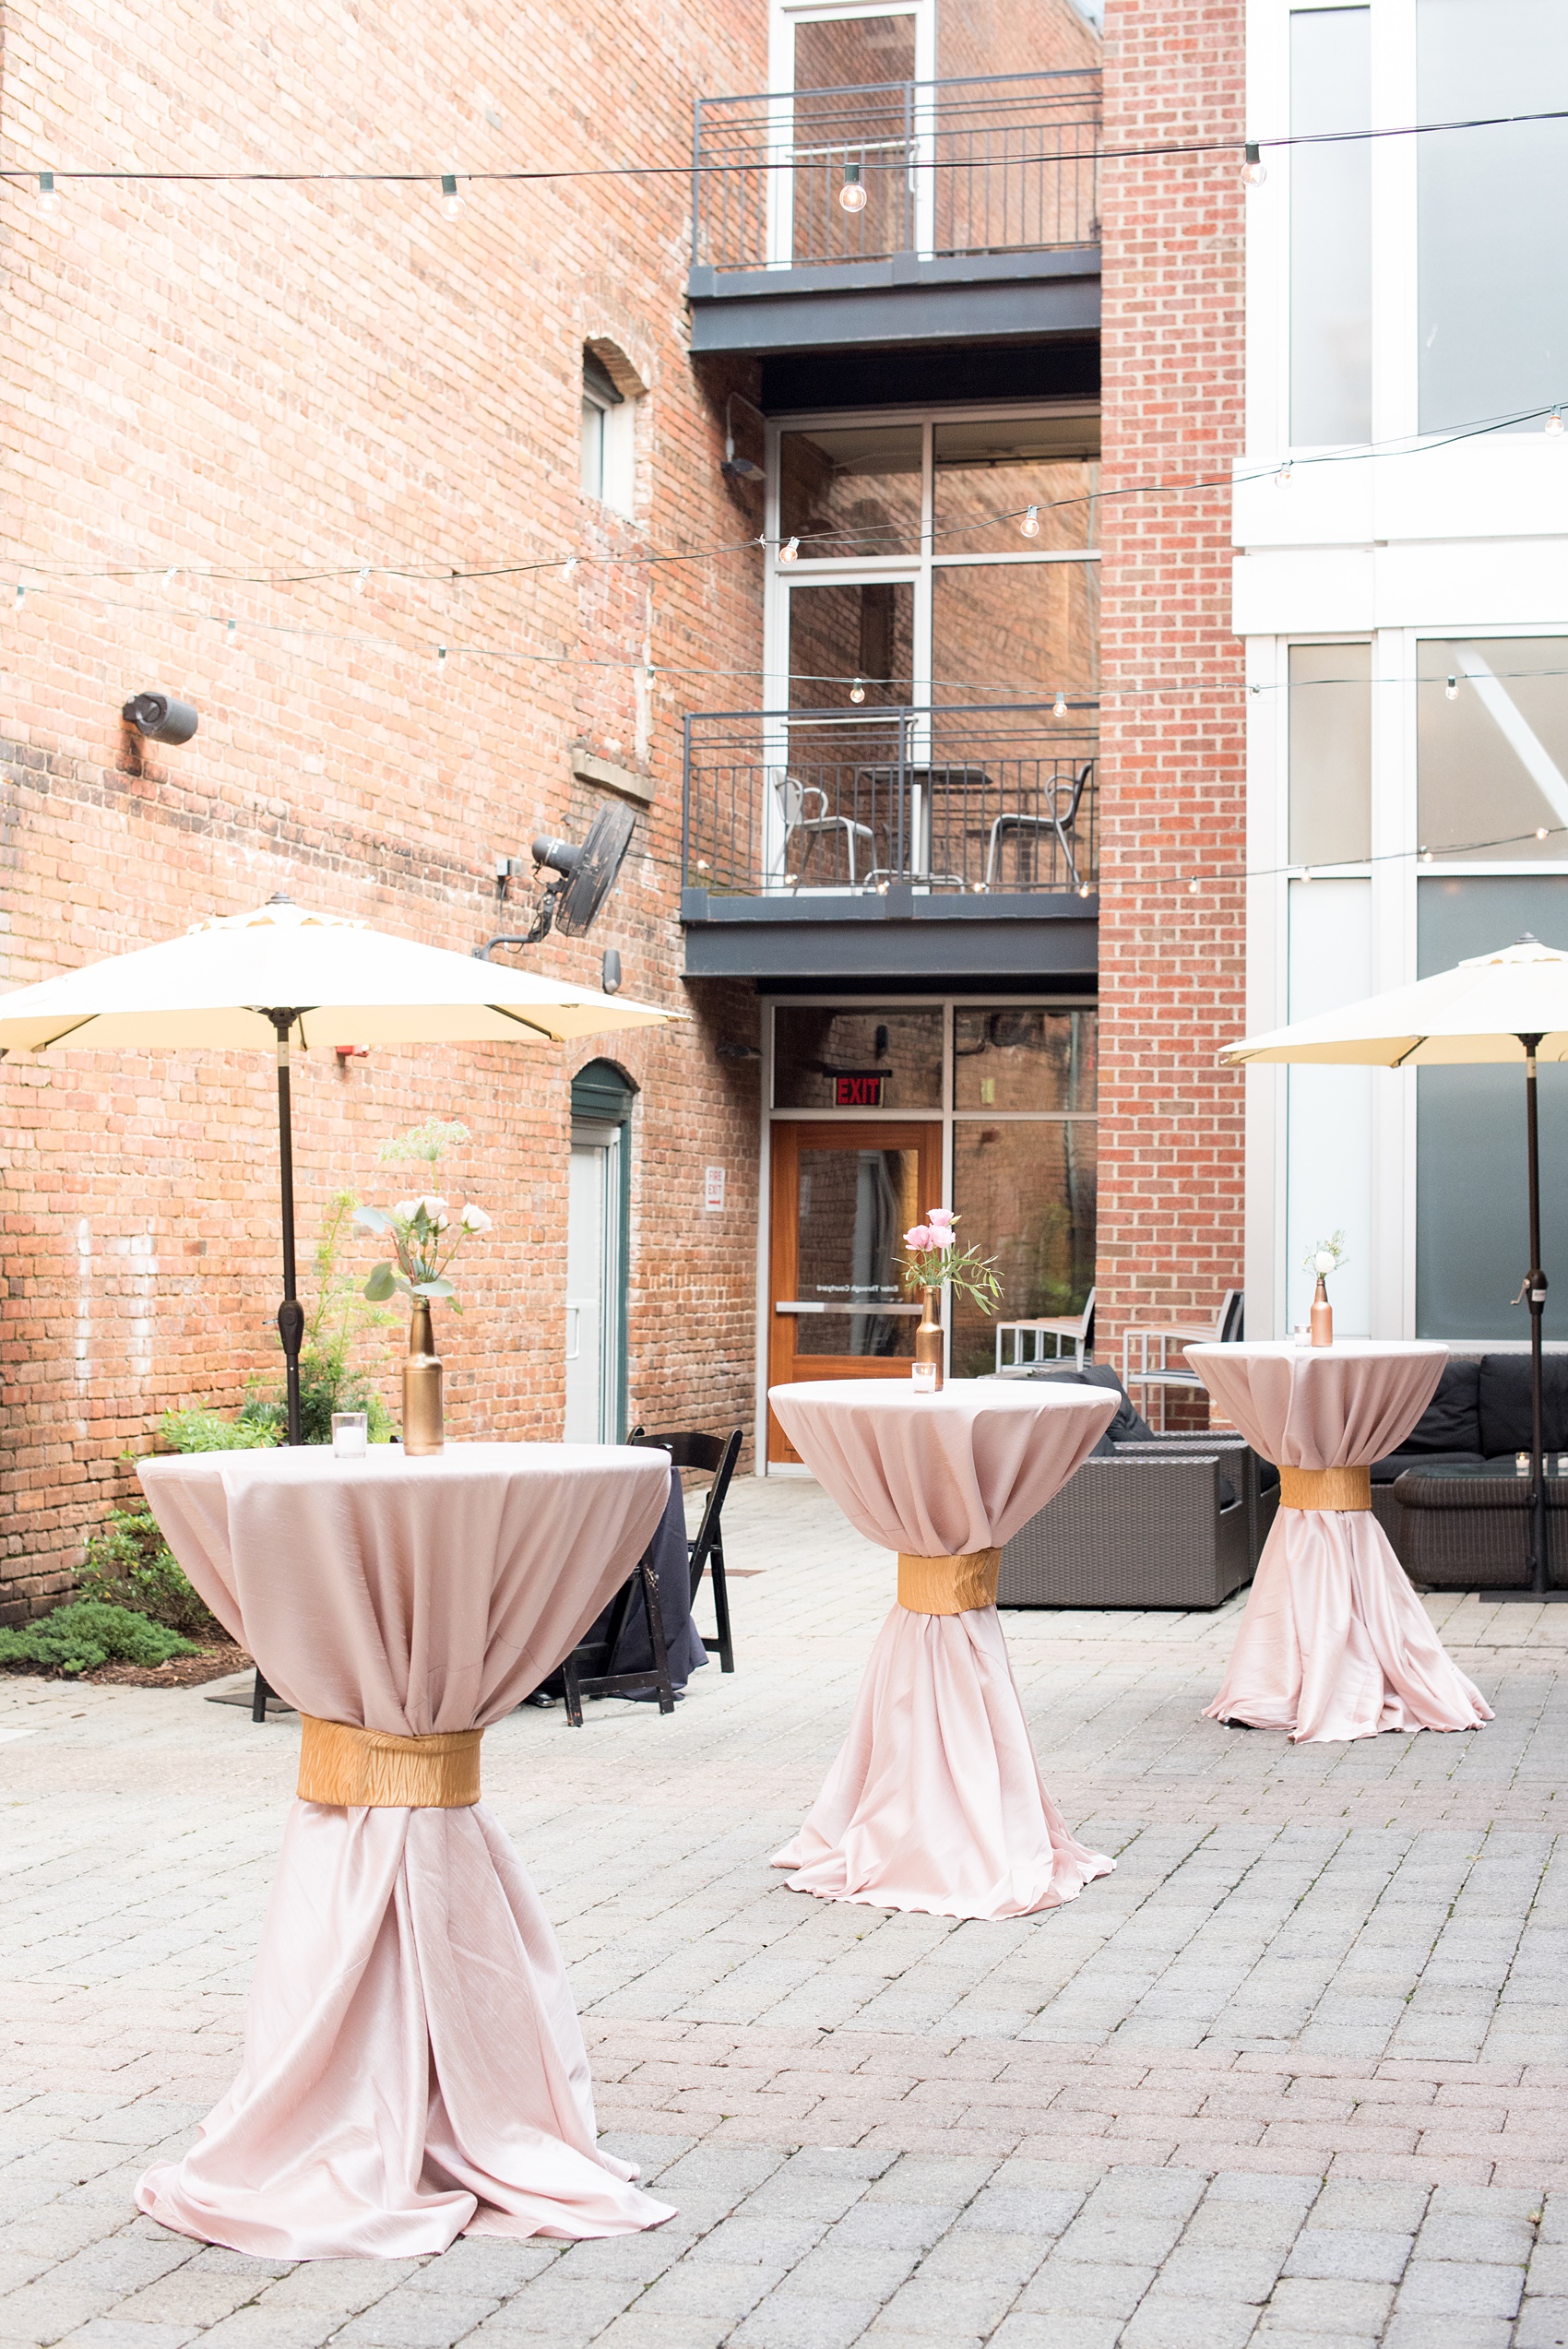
{"x": 1171, "y": 963}
{"x": 244, "y": 380}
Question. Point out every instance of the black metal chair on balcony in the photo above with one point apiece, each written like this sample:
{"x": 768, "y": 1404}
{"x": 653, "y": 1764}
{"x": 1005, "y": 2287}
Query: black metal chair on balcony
{"x": 713, "y": 1456}
{"x": 1059, "y": 820}
{"x": 793, "y": 797}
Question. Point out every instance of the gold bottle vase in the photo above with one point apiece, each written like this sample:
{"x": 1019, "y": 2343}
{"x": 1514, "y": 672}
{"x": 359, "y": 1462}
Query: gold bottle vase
{"x": 422, "y": 1428}
{"x": 927, "y": 1373}
{"x": 1323, "y": 1316}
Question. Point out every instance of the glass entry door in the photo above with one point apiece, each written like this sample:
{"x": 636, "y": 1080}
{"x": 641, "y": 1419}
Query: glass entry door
{"x": 844, "y": 1193}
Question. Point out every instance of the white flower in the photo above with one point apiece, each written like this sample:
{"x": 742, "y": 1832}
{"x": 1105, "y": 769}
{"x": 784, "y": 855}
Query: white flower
{"x": 405, "y": 1210}
{"x": 475, "y": 1218}
{"x": 434, "y": 1211}
{"x": 1324, "y": 1261}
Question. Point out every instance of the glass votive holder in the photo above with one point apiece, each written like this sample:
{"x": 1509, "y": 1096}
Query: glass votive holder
{"x": 351, "y": 1434}
{"x": 1521, "y": 1463}
{"x": 922, "y": 1376}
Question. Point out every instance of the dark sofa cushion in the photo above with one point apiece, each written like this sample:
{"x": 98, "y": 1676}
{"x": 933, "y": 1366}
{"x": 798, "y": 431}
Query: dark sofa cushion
{"x": 1451, "y": 1421}
{"x": 1505, "y": 1402}
{"x": 1127, "y": 1427}
{"x": 1384, "y": 1471}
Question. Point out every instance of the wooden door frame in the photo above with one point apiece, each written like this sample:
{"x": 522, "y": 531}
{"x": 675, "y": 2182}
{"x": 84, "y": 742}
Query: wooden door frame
{"x": 923, "y": 1136}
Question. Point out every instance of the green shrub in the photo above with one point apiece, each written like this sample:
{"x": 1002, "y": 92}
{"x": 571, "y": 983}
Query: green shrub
{"x": 81, "y": 1637}
{"x": 339, "y": 1319}
{"x": 202, "y": 1430}
{"x": 129, "y": 1564}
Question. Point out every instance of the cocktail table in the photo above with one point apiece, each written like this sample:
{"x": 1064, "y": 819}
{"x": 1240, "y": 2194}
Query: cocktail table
{"x": 935, "y": 1802}
{"x": 1334, "y": 1642}
{"x": 413, "y": 2068}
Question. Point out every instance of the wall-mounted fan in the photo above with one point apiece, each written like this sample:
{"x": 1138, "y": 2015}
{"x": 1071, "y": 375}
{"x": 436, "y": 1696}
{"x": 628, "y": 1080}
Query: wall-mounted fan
{"x": 586, "y": 877}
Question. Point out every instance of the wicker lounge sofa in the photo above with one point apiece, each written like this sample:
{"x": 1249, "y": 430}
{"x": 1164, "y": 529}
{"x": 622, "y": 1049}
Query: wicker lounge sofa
{"x": 1148, "y": 1521}
{"x": 1471, "y": 1533}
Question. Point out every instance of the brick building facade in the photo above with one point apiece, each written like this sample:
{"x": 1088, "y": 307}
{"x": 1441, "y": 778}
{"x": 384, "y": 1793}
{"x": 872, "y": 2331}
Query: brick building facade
{"x": 308, "y": 454}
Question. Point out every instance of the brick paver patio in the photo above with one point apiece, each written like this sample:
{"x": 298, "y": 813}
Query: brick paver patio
{"x": 1294, "y": 2075}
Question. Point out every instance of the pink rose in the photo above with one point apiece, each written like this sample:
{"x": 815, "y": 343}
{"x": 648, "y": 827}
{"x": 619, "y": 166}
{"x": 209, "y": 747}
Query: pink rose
{"x": 918, "y": 1238}
{"x": 939, "y": 1219}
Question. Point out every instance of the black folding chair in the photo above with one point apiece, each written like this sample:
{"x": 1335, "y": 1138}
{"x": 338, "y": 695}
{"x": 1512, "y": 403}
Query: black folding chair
{"x": 584, "y": 1672}
{"x": 713, "y": 1456}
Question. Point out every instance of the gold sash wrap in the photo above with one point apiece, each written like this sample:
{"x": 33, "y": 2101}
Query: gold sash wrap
{"x": 948, "y": 1585}
{"x": 342, "y": 1764}
{"x": 1326, "y": 1488}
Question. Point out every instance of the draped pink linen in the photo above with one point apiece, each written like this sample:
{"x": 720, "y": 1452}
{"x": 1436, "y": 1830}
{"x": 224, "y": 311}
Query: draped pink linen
{"x": 413, "y": 2066}
{"x": 935, "y": 1802}
{"x": 1334, "y": 1642}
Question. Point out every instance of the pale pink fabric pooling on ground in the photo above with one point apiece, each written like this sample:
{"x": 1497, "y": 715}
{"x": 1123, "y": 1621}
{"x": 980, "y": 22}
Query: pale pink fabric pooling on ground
{"x": 414, "y": 2065}
{"x": 935, "y": 1801}
{"x": 1334, "y": 1642}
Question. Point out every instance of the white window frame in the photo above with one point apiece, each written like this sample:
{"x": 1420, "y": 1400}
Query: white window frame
{"x": 783, "y": 18}
{"x": 896, "y": 998}
{"x": 618, "y": 451}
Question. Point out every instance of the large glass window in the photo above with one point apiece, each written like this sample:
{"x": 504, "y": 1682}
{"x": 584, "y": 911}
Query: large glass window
{"x": 1025, "y": 1195}
{"x": 851, "y": 494}
{"x": 1472, "y": 1228}
{"x": 1015, "y": 630}
{"x": 1491, "y": 746}
{"x": 849, "y": 633}
{"x": 1330, "y": 227}
{"x": 988, "y": 475}
{"x": 891, "y": 1059}
{"x": 1019, "y": 1058}
{"x": 1330, "y": 753}
{"x": 1492, "y": 293}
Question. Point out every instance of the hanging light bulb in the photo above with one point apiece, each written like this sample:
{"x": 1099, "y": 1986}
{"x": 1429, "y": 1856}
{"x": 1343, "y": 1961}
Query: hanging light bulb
{"x": 852, "y": 196}
{"x": 1554, "y": 424}
{"x": 20, "y": 596}
{"x": 1029, "y": 526}
{"x": 449, "y": 197}
{"x": 439, "y": 660}
{"x": 47, "y": 195}
{"x": 1084, "y": 889}
{"x": 229, "y": 635}
{"x": 1426, "y": 856}
{"x": 361, "y": 578}
{"x": 1059, "y": 706}
{"x": 858, "y": 690}
{"x": 1282, "y": 479}
{"x": 1451, "y": 690}
{"x": 1540, "y": 832}
{"x": 789, "y": 550}
{"x": 1192, "y": 887}
{"x": 170, "y": 577}
{"x": 1306, "y": 874}
{"x": 1254, "y": 171}
{"x": 569, "y": 568}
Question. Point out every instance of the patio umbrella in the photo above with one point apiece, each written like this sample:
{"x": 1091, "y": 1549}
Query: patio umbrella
{"x": 280, "y": 976}
{"x": 1507, "y": 1006}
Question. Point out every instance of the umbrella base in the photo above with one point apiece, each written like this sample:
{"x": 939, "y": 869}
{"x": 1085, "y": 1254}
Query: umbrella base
{"x": 1529, "y": 1598}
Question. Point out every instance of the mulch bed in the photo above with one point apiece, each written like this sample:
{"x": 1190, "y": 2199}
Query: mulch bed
{"x": 180, "y": 1672}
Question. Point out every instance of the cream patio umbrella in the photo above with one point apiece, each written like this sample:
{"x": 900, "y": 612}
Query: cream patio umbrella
{"x": 1507, "y": 1006}
{"x": 283, "y": 975}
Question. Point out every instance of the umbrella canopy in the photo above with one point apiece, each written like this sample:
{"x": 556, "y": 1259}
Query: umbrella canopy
{"x": 223, "y": 984}
{"x": 1478, "y": 1012}
{"x": 1509, "y": 1005}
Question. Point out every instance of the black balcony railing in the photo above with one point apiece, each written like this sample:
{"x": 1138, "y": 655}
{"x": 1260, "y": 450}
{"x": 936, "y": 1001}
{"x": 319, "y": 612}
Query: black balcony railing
{"x": 1006, "y": 164}
{"x": 998, "y": 798}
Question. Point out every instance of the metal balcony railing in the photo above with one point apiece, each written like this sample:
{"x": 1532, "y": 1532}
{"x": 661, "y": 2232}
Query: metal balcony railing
{"x": 992, "y": 797}
{"x": 1005, "y": 164}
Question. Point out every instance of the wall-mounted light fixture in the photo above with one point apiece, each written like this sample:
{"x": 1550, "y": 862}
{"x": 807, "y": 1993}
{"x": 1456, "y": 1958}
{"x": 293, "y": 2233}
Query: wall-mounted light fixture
{"x": 159, "y": 717}
{"x": 609, "y": 971}
{"x": 739, "y": 468}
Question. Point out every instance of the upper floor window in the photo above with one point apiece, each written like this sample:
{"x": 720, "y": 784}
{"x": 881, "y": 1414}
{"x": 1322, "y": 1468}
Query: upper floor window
{"x": 608, "y": 445}
{"x": 1494, "y": 297}
{"x": 1330, "y": 227}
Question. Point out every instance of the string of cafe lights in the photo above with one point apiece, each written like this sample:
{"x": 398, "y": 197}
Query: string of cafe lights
{"x": 1551, "y": 417}
{"x": 449, "y": 183}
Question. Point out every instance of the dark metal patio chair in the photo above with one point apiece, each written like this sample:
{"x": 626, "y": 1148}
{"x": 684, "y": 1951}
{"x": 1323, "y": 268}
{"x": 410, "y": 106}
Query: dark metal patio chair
{"x": 713, "y": 1456}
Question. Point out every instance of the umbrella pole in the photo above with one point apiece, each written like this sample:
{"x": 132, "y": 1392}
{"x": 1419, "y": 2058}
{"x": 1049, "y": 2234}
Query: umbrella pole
{"x": 290, "y": 1314}
{"x": 1536, "y": 1289}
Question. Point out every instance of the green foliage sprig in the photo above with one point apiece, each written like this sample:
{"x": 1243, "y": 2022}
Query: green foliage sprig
{"x": 932, "y": 1259}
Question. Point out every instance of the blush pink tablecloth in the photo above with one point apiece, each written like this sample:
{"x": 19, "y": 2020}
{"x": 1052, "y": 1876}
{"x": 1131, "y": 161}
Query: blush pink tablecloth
{"x": 935, "y": 1801}
{"x": 413, "y": 2066}
{"x": 1334, "y": 1642}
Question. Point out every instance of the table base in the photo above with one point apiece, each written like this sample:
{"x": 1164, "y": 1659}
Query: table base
{"x": 935, "y": 1802}
{"x": 1335, "y": 1644}
{"x": 413, "y": 2068}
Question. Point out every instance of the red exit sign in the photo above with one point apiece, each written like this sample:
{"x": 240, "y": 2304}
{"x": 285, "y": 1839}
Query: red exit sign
{"x": 858, "y": 1092}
